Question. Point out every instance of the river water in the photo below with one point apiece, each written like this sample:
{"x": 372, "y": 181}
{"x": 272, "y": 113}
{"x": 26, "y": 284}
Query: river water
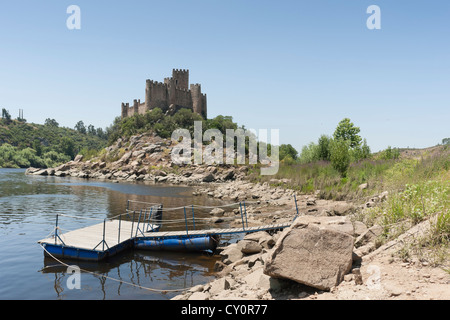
{"x": 28, "y": 207}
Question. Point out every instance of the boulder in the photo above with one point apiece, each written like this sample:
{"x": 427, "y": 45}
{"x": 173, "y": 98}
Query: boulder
{"x": 229, "y": 175}
{"x": 126, "y": 157}
{"x": 249, "y": 247}
{"x": 360, "y": 228}
{"x": 257, "y": 279}
{"x": 342, "y": 224}
{"x": 199, "y": 296}
{"x": 78, "y": 158}
{"x": 264, "y": 239}
{"x": 311, "y": 253}
{"x": 159, "y": 173}
{"x": 217, "y": 212}
{"x": 208, "y": 178}
{"x": 369, "y": 235}
{"x": 32, "y": 170}
{"x": 42, "y": 172}
{"x": 363, "y": 186}
{"x": 231, "y": 253}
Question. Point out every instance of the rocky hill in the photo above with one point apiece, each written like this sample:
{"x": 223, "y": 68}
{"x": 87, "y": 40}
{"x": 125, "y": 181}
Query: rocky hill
{"x": 145, "y": 157}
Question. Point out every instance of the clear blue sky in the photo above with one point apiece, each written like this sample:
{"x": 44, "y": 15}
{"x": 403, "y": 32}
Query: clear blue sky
{"x": 297, "y": 66}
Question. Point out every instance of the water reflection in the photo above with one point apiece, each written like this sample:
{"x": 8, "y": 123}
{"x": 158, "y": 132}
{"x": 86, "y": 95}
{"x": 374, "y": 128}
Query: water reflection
{"x": 28, "y": 207}
{"x": 138, "y": 269}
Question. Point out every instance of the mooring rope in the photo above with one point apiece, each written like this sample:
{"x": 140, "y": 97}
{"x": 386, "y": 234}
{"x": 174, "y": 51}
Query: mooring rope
{"x": 114, "y": 279}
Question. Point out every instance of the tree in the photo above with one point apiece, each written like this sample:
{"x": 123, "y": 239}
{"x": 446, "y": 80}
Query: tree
{"x": 51, "y": 123}
{"x": 346, "y": 130}
{"x": 67, "y": 147}
{"x": 100, "y": 133}
{"x": 446, "y": 141}
{"x": 286, "y": 150}
{"x": 80, "y": 127}
{"x": 91, "y": 130}
{"x": 340, "y": 155}
{"x": 6, "y": 116}
{"x": 323, "y": 148}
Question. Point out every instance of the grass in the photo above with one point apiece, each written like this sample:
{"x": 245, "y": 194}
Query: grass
{"x": 321, "y": 177}
{"x": 418, "y": 185}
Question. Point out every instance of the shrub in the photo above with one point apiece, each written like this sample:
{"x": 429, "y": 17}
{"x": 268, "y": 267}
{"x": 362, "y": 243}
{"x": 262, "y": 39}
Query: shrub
{"x": 340, "y": 155}
{"x": 323, "y": 148}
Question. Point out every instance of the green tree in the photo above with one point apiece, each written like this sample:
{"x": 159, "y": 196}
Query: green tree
{"x": 222, "y": 123}
{"x": 340, "y": 155}
{"x": 286, "y": 150}
{"x": 80, "y": 127}
{"x": 67, "y": 147}
{"x": 91, "y": 130}
{"x": 310, "y": 153}
{"x": 37, "y": 146}
{"x": 51, "y": 123}
{"x": 323, "y": 147}
{"x": 346, "y": 130}
{"x": 6, "y": 116}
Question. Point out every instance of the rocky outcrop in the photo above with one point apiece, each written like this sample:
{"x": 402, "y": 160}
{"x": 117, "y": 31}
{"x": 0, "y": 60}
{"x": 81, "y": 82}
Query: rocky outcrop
{"x": 146, "y": 158}
{"x": 313, "y": 252}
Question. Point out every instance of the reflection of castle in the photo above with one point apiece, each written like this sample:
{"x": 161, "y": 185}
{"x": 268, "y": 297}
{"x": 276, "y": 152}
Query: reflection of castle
{"x": 173, "y": 94}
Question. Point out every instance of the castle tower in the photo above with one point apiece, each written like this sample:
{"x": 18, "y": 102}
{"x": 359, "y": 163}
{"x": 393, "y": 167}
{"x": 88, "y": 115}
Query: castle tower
{"x": 125, "y": 107}
{"x": 171, "y": 91}
{"x": 148, "y": 96}
{"x": 135, "y": 106}
{"x": 205, "y": 107}
{"x": 197, "y": 101}
{"x": 181, "y": 78}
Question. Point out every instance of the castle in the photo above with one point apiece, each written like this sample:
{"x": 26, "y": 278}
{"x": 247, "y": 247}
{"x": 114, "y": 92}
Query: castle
{"x": 172, "y": 95}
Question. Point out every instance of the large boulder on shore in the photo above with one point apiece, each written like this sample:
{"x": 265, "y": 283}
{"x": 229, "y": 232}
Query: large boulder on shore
{"x": 313, "y": 253}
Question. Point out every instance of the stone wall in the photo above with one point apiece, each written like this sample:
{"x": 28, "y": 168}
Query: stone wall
{"x": 173, "y": 91}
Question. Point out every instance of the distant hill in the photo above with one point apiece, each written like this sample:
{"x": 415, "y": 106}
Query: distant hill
{"x": 23, "y": 144}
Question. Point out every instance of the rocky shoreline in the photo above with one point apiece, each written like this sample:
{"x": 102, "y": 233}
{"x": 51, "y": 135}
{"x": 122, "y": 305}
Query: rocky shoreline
{"x": 326, "y": 253}
{"x": 145, "y": 157}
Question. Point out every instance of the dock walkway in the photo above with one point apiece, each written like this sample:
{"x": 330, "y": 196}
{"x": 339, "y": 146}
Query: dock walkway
{"x": 106, "y": 239}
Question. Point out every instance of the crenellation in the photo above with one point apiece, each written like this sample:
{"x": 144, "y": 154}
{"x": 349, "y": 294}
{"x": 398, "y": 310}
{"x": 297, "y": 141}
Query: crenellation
{"x": 174, "y": 91}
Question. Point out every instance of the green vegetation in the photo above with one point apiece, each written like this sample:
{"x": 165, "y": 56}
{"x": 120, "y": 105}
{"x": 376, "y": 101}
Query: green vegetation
{"x": 12, "y": 157}
{"x": 27, "y": 144}
{"x": 345, "y": 147}
{"x": 417, "y": 182}
{"x": 339, "y": 167}
{"x": 163, "y": 125}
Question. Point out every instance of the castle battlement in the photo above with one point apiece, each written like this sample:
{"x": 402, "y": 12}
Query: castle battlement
{"x": 172, "y": 94}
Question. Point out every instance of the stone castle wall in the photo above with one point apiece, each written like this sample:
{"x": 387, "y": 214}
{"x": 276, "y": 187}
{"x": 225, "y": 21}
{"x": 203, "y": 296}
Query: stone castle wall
{"x": 174, "y": 92}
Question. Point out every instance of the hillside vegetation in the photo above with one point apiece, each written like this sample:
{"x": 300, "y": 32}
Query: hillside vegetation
{"x": 28, "y": 144}
{"x": 417, "y": 182}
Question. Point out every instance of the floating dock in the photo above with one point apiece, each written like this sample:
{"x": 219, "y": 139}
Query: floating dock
{"x": 103, "y": 240}
{"x": 89, "y": 244}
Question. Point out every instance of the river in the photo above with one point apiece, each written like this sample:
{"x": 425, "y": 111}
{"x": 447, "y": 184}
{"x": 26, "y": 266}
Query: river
{"x": 28, "y": 207}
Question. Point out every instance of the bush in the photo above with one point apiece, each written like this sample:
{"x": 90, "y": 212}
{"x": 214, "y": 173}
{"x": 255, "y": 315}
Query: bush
{"x": 323, "y": 148}
{"x": 310, "y": 153}
{"x": 390, "y": 153}
{"x": 286, "y": 150}
{"x": 340, "y": 156}
{"x": 12, "y": 157}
